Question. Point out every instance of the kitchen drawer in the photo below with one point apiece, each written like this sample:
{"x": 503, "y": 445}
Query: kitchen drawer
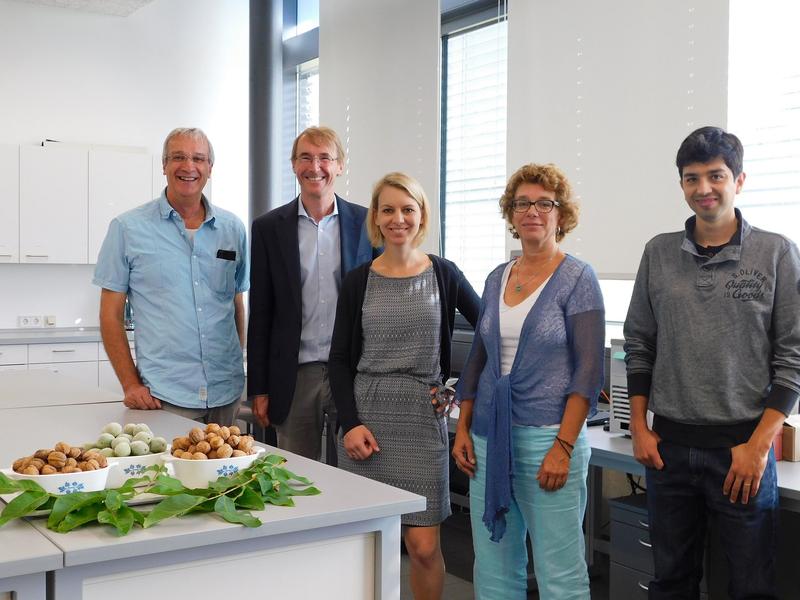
{"x": 58, "y": 353}
{"x": 630, "y": 546}
{"x": 101, "y": 351}
{"x": 14, "y": 354}
{"x": 85, "y": 372}
{"x": 630, "y": 509}
{"x": 628, "y": 583}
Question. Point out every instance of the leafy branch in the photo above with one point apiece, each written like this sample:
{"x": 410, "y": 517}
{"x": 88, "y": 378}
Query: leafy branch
{"x": 233, "y": 498}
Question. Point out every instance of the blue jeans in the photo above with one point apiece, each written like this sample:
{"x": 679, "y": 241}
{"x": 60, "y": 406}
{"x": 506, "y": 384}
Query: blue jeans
{"x": 554, "y": 520}
{"x": 681, "y": 498}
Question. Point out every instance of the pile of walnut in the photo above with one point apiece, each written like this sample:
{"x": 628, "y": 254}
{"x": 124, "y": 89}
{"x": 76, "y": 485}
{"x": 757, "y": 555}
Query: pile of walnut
{"x": 61, "y": 459}
{"x": 213, "y": 442}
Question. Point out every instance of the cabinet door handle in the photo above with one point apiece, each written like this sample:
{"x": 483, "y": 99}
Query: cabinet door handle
{"x": 644, "y": 524}
{"x": 65, "y": 350}
{"x": 642, "y": 586}
{"x": 9, "y": 255}
{"x": 37, "y": 255}
{"x": 645, "y": 544}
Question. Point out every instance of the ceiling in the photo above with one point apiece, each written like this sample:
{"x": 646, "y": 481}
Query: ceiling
{"x": 117, "y": 8}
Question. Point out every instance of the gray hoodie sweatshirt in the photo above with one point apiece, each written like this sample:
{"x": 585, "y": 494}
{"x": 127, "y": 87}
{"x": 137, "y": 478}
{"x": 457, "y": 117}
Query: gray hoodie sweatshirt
{"x": 713, "y": 341}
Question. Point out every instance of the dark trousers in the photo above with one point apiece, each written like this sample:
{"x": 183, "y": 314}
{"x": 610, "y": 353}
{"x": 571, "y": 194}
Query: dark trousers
{"x": 682, "y": 497}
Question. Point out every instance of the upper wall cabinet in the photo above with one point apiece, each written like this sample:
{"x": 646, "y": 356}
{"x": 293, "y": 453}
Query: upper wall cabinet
{"x": 9, "y": 203}
{"x": 53, "y": 194}
{"x": 118, "y": 181}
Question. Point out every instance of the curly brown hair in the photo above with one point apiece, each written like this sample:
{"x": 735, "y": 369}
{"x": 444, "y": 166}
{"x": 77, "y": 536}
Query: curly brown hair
{"x": 551, "y": 178}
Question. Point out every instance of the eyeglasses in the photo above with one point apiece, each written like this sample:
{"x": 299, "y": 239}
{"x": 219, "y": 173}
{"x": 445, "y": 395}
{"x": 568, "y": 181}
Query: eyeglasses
{"x": 179, "y": 157}
{"x": 323, "y": 159}
{"x": 522, "y": 205}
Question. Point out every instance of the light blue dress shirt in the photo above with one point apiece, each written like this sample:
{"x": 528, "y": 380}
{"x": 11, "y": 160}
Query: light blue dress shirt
{"x": 187, "y": 348}
{"x": 320, "y": 280}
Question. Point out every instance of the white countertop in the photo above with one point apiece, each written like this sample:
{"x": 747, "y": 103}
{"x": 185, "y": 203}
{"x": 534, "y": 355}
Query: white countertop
{"x": 23, "y": 551}
{"x": 52, "y": 336}
{"x": 345, "y": 498}
{"x": 614, "y": 451}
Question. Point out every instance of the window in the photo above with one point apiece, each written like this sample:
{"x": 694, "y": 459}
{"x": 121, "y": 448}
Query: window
{"x": 307, "y": 95}
{"x": 304, "y": 16}
{"x": 474, "y": 148}
{"x": 301, "y": 110}
{"x": 764, "y": 110}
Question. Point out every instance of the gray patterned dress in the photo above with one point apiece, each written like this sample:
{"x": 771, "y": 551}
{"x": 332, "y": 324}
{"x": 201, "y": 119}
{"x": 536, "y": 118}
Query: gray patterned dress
{"x": 401, "y": 320}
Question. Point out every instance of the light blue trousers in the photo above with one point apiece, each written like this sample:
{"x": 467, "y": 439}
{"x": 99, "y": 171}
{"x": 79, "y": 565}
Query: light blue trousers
{"x": 554, "y": 520}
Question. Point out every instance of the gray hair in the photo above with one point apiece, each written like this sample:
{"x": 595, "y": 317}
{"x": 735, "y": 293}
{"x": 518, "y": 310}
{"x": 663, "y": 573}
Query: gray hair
{"x": 192, "y": 132}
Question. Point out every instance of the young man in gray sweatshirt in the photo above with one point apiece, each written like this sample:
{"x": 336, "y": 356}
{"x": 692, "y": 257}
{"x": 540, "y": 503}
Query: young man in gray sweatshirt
{"x": 712, "y": 342}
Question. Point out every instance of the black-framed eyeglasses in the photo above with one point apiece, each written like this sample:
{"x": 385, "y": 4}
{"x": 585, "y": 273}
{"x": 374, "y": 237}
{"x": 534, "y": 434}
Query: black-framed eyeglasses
{"x": 522, "y": 205}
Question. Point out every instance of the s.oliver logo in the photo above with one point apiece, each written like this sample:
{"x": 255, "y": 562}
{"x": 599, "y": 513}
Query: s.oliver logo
{"x": 746, "y": 285}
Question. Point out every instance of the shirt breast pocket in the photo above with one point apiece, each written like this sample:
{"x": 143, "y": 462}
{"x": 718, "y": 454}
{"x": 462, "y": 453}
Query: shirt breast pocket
{"x": 222, "y": 278}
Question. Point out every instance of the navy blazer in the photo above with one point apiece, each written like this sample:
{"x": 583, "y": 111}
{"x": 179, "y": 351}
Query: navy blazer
{"x": 276, "y": 306}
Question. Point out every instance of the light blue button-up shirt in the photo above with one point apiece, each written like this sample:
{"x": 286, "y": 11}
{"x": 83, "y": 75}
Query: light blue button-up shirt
{"x": 187, "y": 348}
{"x": 320, "y": 280}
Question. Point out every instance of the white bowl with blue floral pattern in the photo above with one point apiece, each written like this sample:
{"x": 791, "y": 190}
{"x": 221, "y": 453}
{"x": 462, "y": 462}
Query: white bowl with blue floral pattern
{"x": 199, "y": 473}
{"x": 67, "y": 483}
{"x": 125, "y": 467}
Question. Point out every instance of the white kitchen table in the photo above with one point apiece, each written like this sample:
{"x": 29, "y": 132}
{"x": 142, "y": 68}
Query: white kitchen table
{"x": 343, "y": 543}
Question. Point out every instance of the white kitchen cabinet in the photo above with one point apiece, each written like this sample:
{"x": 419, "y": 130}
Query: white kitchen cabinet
{"x": 62, "y": 352}
{"x": 118, "y": 181}
{"x": 78, "y": 360}
{"x": 107, "y": 378}
{"x": 53, "y": 204}
{"x": 9, "y": 203}
{"x": 13, "y": 354}
{"x": 85, "y": 372}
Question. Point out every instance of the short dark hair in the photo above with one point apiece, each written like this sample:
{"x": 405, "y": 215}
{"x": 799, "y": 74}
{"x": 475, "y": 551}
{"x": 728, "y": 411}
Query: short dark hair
{"x": 707, "y": 143}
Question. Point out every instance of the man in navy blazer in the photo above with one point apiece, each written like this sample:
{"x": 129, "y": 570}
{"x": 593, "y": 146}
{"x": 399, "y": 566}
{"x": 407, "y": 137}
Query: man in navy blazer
{"x": 300, "y": 252}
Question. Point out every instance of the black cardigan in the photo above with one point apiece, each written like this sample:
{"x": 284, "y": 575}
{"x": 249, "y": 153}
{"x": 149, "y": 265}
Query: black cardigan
{"x": 346, "y": 343}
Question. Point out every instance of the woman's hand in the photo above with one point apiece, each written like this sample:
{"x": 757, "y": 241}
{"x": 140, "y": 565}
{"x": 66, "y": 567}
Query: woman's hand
{"x": 442, "y": 399}
{"x": 359, "y": 443}
{"x": 554, "y": 470}
{"x": 463, "y": 452}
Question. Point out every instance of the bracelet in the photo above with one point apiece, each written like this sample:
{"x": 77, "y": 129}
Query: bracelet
{"x": 565, "y": 446}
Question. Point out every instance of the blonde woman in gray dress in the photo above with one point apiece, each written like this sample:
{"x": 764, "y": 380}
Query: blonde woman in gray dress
{"x": 390, "y": 350}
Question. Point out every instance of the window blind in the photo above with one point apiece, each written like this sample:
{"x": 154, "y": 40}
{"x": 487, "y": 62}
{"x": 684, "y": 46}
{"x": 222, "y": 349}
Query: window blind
{"x": 475, "y": 149}
{"x": 764, "y": 110}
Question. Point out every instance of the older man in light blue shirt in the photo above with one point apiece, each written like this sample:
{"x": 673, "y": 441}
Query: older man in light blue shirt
{"x": 182, "y": 264}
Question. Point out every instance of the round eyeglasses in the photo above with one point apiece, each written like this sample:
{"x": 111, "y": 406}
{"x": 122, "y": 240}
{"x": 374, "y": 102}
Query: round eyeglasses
{"x": 522, "y": 205}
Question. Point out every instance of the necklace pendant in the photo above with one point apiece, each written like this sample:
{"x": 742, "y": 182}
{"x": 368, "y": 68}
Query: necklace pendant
{"x": 518, "y": 288}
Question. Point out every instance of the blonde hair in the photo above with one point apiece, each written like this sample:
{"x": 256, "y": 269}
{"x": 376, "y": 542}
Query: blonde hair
{"x": 408, "y": 185}
{"x": 318, "y": 137}
{"x": 552, "y": 179}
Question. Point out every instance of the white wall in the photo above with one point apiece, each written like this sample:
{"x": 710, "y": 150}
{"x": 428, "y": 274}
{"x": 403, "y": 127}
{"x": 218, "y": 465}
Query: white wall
{"x": 79, "y": 77}
{"x": 379, "y": 89}
{"x": 607, "y": 90}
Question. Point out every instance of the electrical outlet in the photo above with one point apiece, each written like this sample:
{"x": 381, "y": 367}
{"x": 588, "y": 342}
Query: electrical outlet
{"x": 49, "y": 321}
{"x": 27, "y": 321}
